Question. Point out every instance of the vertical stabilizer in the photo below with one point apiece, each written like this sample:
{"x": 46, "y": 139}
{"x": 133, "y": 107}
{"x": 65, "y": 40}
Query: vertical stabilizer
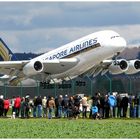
{"x": 5, "y": 53}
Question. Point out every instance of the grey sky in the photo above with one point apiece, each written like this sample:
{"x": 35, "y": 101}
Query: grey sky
{"x": 42, "y": 26}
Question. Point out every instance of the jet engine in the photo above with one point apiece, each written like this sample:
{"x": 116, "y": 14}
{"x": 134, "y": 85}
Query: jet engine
{"x": 118, "y": 66}
{"x": 134, "y": 66}
{"x": 33, "y": 68}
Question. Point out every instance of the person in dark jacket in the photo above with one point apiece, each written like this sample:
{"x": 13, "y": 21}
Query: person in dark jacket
{"x": 102, "y": 103}
{"x": 60, "y": 99}
{"x": 119, "y": 106}
{"x": 136, "y": 103}
{"x": 106, "y": 107}
{"x": 39, "y": 106}
{"x": 65, "y": 104}
{"x": 1, "y": 105}
{"x": 71, "y": 108}
{"x": 22, "y": 108}
{"x": 34, "y": 106}
{"x": 56, "y": 107}
{"x": 77, "y": 100}
{"x": 27, "y": 106}
{"x": 124, "y": 104}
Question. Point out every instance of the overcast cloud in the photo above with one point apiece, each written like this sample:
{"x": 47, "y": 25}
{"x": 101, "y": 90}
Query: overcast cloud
{"x": 43, "y": 26}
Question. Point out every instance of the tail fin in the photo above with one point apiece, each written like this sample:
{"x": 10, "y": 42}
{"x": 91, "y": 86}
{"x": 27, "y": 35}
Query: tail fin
{"x": 5, "y": 53}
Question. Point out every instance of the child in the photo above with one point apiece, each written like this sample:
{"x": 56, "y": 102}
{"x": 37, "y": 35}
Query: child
{"x": 95, "y": 114}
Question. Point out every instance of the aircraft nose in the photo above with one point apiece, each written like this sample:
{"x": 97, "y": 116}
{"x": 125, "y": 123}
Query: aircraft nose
{"x": 119, "y": 42}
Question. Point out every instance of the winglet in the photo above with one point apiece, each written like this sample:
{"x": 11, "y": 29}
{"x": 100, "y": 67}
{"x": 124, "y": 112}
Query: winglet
{"x": 5, "y": 53}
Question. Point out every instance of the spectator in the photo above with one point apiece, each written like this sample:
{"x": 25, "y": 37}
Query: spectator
{"x": 90, "y": 103}
{"x": 97, "y": 101}
{"x": 112, "y": 103}
{"x": 22, "y": 107}
{"x": 44, "y": 101}
{"x": 30, "y": 107}
{"x": 101, "y": 106}
{"x": 60, "y": 99}
{"x": 93, "y": 103}
{"x": 131, "y": 102}
{"x": 34, "y": 106}
{"x": 84, "y": 107}
{"x": 17, "y": 105}
{"x": 56, "y": 107}
{"x": 51, "y": 106}
{"x": 77, "y": 99}
{"x": 1, "y": 105}
{"x": 71, "y": 109}
{"x": 39, "y": 106}
{"x": 119, "y": 106}
{"x": 65, "y": 104}
{"x": 6, "y": 107}
{"x": 27, "y": 106}
{"x": 106, "y": 107}
{"x": 95, "y": 114}
{"x": 12, "y": 104}
{"x": 124, "y": 104}
{"x": 136, "y": 103}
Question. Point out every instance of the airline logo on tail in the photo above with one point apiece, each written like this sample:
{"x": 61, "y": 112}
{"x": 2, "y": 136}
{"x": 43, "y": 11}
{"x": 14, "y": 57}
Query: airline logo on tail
{"x": 5, "y": 53}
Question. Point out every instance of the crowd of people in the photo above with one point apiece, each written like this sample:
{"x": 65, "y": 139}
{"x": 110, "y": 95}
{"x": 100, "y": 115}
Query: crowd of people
{"x": 96, "y": 107}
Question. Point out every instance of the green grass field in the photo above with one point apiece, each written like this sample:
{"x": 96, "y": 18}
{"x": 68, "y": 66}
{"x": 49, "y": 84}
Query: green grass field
{"x": 64, "y": 128}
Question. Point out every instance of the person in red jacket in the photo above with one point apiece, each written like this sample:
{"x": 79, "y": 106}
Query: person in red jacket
{"x": 6, "y": 107}
{"x": 17, "y": 105}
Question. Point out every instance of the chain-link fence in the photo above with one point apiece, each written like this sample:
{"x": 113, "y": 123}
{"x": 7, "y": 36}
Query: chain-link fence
{"x": 87, "y": 85}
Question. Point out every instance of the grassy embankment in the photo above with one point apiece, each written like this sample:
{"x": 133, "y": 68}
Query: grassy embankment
{"x": 64, "y": 128}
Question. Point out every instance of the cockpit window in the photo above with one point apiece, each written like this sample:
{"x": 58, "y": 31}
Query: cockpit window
{"x": 114, "y": 36}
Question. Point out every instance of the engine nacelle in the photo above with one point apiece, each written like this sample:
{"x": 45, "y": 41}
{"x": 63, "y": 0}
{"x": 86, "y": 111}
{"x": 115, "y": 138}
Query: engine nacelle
{"x": 134, "y": 66}
{"x": 118, "y": 66}
{"x": 33, "y": 68}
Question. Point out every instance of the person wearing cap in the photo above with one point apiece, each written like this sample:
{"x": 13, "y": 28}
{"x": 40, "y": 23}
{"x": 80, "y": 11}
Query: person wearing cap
{"x": 60, "y": 99}
{"x": 65, "y": 105}
{"x": 39, "y": 106}
{"x": 27, "y": 107}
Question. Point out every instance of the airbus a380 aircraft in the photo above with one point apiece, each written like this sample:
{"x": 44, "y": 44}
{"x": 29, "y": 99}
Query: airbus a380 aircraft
{"x": 88, "y": 55}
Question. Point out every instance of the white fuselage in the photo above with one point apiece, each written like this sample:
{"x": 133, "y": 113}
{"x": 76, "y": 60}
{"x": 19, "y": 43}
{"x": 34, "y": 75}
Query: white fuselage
{"x": 89, "y": 50}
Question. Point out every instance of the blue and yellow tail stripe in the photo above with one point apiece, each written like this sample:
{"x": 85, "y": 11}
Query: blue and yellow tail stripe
{"x": 5, "y": 53}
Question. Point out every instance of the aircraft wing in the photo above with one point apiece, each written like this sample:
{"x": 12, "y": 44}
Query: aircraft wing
{"x": 16, "y": 68}
{"x": 98, "y": 68}
{"x": 10, "y": 67}
{"x": 113, "y": 66}
{"x": 59, "y": 65}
